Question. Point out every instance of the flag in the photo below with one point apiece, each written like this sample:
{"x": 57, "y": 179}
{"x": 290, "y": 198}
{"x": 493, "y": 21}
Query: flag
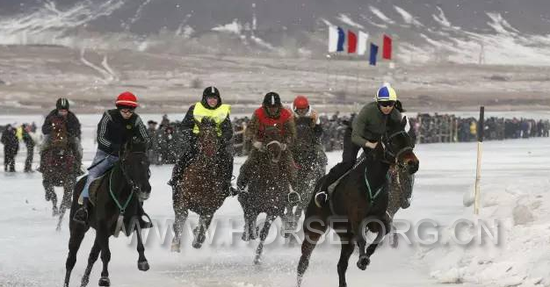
{"x": 386, "y": 53}
{"x": 332, "y": 39}
{"x": 373, "y": 54}
{"x": 362, "y": 43}
{"x": 341, "y": 39}
{"x": 352, "y": 42}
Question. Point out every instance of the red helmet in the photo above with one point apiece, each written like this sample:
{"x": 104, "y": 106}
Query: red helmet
{"x": 301, "y": 102}
{"x": 127, "y": 99}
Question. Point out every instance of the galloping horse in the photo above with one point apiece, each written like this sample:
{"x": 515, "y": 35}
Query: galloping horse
{"x": 59, "y": 169}
{"x": 400, "y": 188}
{"x": 116, "y": 199}
{"x": 359, "y": 203}
{"x": 200, "y": 189}
{"x": 311, "y": 161}
{"x": 268, "y": 189}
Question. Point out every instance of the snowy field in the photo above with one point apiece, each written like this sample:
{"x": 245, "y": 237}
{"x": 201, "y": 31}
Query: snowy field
{"x": 515, "y": 185}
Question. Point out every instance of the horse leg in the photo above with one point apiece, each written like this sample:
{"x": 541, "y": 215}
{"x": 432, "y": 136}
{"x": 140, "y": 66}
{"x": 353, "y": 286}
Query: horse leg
{"x": 200, "y": 231}
{"x": 50, "y": 196}
{"x": 76, "y": 237}
{"x": 382, "y": 231}
{"x": 263, "y": 236}
{"x": 347, "y": 249}
{"x": 312, "y": 234}
{"x": 65, "y": 202}
{"x": 143, "y": 265}
{"x": 94, "y": 254}
{"x": 287, "y": 219}
{"x": 249, "y": 232}
{"x": 103, "y": 238}
{"x": 181, "y": 216}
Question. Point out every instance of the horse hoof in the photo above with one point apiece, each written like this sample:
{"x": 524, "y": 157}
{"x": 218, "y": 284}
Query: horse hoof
{"x": 143, "y": 266}
{"x": 363, "y": 262}
{"x": 55, "y": 211}
{"x": 176, "y": 246}
{"x": 197, "y": 245}
{"x": 104, "y": 281}
{"x": 394, "y": 242}
{"x": 257, "y": 260}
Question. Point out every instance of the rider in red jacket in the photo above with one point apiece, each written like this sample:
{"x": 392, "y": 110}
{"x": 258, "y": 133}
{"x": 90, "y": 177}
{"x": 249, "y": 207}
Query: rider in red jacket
{"x": 271, "y": 114}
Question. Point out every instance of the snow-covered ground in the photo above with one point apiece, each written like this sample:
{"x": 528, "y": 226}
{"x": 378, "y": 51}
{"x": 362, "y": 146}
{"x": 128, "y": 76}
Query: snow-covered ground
{"x": 515, "y": 181}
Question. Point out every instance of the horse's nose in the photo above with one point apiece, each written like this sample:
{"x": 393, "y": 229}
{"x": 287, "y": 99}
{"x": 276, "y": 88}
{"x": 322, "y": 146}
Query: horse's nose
{"x": 412, "y": 166}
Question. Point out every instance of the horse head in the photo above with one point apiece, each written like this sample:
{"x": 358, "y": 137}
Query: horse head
{"x": 273, "y": 146}
{"x": 135, "y": 167}
{"x": 207, "y": 140}
{"x": 404, "y": 163}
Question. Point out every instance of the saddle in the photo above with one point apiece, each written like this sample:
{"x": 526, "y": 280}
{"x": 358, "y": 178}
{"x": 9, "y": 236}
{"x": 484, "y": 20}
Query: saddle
{"x": 333, "y": 186}
{"x": 92, "y": 190}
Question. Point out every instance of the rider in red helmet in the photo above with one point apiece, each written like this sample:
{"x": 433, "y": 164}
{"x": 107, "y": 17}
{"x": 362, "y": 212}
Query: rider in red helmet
{"x": 115, "y": 128}
{"x": 302, "y": 110}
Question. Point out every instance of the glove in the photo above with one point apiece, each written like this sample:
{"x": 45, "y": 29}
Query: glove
{"x": 371, "y": 145}
{"x": 258, "y": 145}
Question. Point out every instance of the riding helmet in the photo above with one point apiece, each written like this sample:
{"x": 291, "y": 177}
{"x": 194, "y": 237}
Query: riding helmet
{"x": 62, "y": 104}
{"x": 126, "y": 99}
{"x": 272, "y": 99}
{"x": 386, "y": 93}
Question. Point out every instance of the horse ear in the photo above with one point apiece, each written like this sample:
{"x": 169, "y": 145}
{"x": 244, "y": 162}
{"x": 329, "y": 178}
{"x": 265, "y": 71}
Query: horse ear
{"x": 404, "y": 122}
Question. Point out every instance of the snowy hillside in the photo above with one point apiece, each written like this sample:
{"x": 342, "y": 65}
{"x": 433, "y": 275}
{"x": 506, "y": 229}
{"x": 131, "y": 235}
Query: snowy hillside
{"x": 511, "y": 32}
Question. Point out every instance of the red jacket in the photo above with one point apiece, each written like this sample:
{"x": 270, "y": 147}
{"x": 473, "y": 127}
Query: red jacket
{"x": 266, "y": 121}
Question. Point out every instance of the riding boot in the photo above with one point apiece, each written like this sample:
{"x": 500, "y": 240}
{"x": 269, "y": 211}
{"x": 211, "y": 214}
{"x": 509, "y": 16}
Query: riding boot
{"x": 81, "y": 215}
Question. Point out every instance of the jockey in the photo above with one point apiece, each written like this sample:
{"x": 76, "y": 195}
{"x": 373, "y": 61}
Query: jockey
{"x": 302, "y": 109}
{"x": 270, "y": 114}
{"x": 209, "y": 107}
{"x": 365, "y": 132}
{"x": 115, "y": 128}
{"x": 62, "y": 115}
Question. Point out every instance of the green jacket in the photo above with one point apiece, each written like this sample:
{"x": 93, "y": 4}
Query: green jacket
{"x": 370, "y": 124}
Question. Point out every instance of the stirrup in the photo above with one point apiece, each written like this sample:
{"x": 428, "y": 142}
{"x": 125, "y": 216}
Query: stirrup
{"x": 317, "y": 199}
{"x": 82, "y": 222}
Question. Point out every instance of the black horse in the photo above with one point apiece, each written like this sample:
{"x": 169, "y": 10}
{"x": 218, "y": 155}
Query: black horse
{"x": 311, "y": 161}
{"x": 58, "y": 169}
{"x": 116, "y": 206}
{"x": 268, "y": 190}
{"x": 359, "y": 203}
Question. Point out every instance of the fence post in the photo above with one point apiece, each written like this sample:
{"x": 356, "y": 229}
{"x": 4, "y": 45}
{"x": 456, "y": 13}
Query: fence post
{"x": 480, "y": 132}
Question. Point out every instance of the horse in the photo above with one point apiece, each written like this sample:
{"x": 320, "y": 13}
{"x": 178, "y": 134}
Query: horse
{"x": 351, "y": 210}
{"x": 268, "y": 189}
{"x": 116, "y": 204}
{"x": 400, "y": 188}
{"x": 58, "y": 169}
{"x": 311, "y": 162}
{"x": 200, "y": 189}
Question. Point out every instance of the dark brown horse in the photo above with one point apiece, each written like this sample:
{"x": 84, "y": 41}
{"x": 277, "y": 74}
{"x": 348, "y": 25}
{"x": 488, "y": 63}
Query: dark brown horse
{"x": 311, "y": 161}
{"x": 268, "y": 189}
{"x": 200, "y": 189}
{"x": 58, "y": 169}
{"x": 400, "y": 188}
{"x": 116, "y": 206}
{"x": 359, "y": 203}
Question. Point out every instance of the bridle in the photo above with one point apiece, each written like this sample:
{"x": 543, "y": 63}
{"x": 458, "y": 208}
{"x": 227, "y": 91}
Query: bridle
{"x": 393, "y": 154}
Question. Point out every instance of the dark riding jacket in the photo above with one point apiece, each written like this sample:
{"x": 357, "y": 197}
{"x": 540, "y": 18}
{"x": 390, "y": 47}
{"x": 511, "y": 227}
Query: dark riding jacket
{"x": 370, "y": 124}
{"x": 113, "y": 131}
{"x": 73, "y": 125}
